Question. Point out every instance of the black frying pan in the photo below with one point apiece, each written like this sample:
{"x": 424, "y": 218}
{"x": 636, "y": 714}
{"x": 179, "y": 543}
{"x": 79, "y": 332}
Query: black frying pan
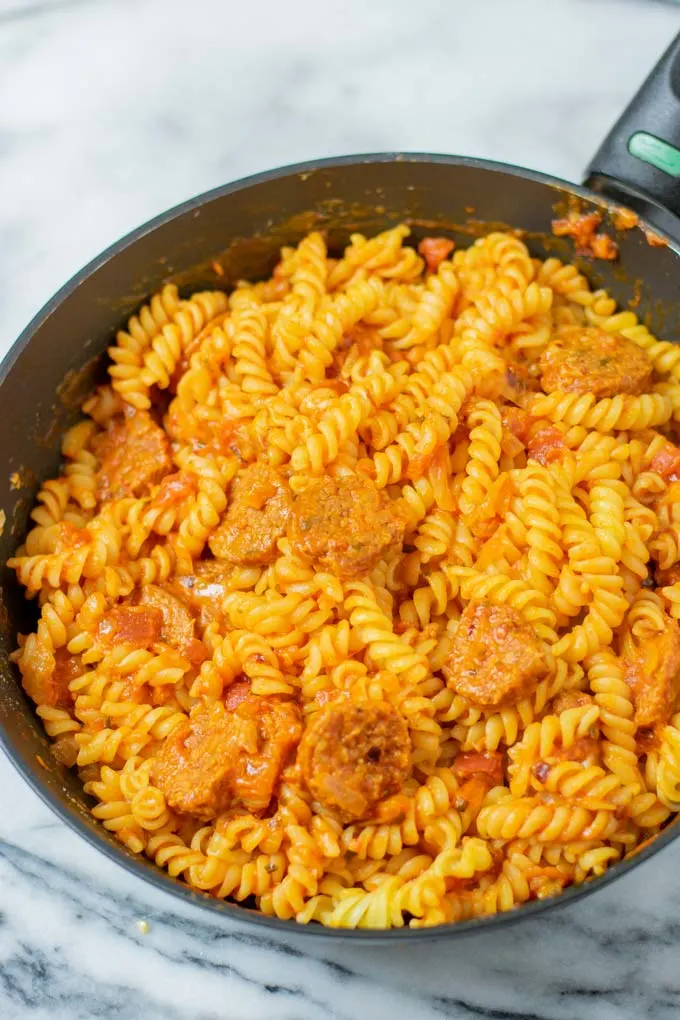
{"x": 56, "y": 359}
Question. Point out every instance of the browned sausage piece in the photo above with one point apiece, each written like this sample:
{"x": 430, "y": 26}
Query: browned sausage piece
{"x": 46, "y": 675}
{"x": 353, "y": 756}
{"x": 220, "y": 759}
{"x": 496, "y": 658}
{"x": 134, "y": 455}
{"x": 586, "y": 359}
{"x": 256, "y": 517}
{"x": 654, "y": 676}
{"x": 345, "y": 525}
{"x": 178, "y": 625}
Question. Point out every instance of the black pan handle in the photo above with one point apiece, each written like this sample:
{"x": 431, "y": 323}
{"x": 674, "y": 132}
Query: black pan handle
{"x": 639, "y": 160}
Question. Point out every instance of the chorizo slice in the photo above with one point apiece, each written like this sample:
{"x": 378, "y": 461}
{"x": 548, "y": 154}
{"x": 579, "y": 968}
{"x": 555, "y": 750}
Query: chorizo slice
{"x": 345, "y": 525}
{"x": 586, "y": 359}
{"x": 654, "y": 676}
{"x": 496, "y": 658}
{"x": 259, "y": 506}
{"x": 221, "y": 759}
{"x": 353, "y": 756}
{"x": 134, "y": 455}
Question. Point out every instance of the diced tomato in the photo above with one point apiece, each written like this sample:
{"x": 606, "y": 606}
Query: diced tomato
{"x": 583, "y": 230}
{"x": 138, "y": 626}
{"x": 517, "y": 422}
{"x": 426, "y": 451}
{"x": 647, "y": 740}
{"x": 543, "y": 440}
{"x": 72, "y": 537}
{"x": 473, "y": 791}
{"x": 365, "y": 338}
{"x": 546, "y": 444}
{"x": 489, "y": 763}
{"x": 434, "y": 250}
{"x": 493, "y": 507}
{"x": 666, "y": 462}
{"x": 494, "y": 549}
{"x": 583, "y": 227}
{"x": 584, "y": 749}
{"x": 230, "y": 437}
{"x": 236, "y": 693}
{"x": 604, "y": 247}
{"x": 174, "y": 489}
{"x": 511, "y": 445}
{"x": 338, "y": 386}
{"x": 393, "y": 809}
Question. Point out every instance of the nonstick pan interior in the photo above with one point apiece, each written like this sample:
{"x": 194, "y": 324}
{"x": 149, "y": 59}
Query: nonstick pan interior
{"x": 242, "y": 226}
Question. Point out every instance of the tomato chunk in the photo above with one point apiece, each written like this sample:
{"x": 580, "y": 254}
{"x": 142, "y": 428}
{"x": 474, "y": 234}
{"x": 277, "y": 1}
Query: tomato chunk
{"x": 666, "y": 462}
{"x": 488, "y": 763}
{"x": 434, "y": 250}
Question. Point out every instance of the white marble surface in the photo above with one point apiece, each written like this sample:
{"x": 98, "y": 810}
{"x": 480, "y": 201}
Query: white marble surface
{"x": 111, "y": 110}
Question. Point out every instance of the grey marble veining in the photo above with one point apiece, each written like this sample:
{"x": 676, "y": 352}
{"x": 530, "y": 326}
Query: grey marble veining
{"x": 111, "y": 110}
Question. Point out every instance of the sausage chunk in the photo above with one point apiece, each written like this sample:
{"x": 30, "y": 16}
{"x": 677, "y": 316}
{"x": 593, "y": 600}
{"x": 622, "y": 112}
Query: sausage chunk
{"x": 654, "y": 676}
{"x": 255, "y": 519}
{"x": 495, "y": 659}
{"x": 134, "y": 455}
{"x": 345, "y": 525}
{"x": 585, "y": 359}
{"x": 178, "y": 625}
{"x": 354, "y": 756}
{"x": 138, "y": 626}
{"x": 46, "y": 674}
{"x": 221, "y": 759}
{"x": 203, "y": 591}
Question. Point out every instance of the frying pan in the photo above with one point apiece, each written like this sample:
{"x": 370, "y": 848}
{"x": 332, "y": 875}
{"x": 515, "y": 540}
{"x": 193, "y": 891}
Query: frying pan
{"x": 57, "y": 358}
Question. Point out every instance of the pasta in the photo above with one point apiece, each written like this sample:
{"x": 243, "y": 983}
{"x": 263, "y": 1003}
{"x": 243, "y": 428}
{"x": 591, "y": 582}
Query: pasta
{"x": 358, "y": 591}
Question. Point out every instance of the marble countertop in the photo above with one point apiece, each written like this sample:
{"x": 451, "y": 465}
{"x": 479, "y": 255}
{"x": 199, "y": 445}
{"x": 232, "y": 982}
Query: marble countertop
{"x": 110, "y": 111}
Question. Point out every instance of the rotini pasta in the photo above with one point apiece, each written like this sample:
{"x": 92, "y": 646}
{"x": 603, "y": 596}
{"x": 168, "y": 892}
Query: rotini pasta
{"x": 358, "y": 592}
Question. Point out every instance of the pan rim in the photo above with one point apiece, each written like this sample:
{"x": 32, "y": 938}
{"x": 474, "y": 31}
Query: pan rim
{"x": 287, "y": 170}
{"x": 140, "y": 866}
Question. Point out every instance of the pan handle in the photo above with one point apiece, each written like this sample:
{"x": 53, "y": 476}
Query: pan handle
{"x": 639, "y": 160}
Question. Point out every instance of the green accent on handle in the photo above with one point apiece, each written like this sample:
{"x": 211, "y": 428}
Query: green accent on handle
{"x": 655, "y": 151}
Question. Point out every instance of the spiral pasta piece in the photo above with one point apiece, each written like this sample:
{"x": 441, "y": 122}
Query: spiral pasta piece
{"x": 620, "y": 412}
